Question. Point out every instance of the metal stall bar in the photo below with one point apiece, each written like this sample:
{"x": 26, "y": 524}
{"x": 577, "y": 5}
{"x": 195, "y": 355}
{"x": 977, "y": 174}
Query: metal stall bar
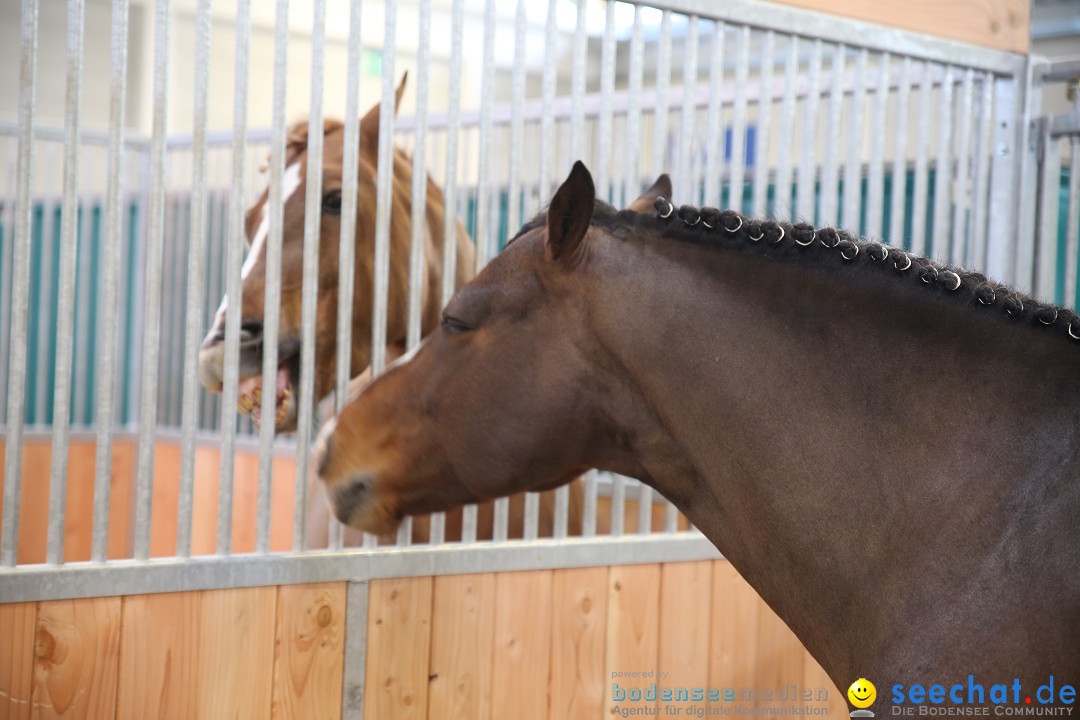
{"x": 196, "y": 258}
{"x": 633, "y": 111}
{"x": 69, "y": 227}
{"x": 45, "y": 290}
{"x": 714, "y": 146}
{"x": 853, "y": 164}
{"x": 618, "y": 505}
{"x": 963, "y": 170}
{"x": 152, "y": 291}
{"x": 547, "y": 119}
{"x": 899, "y": 164}
{"x": 305, "y": 418}
{"x": 1046, "y": 218}
{"x": 782, "y": 203}
{"x": 686, "y": 130}
{"x": 807, "y": 203}
{"x": 738, "y": 120}
{"x": 20, "y": 283}
{"x": 355, "y": 651}
{"x": 111, "y": 259}
{"x": 577, "y": 86}
{"x": 759, "y": 204}
{"x": 1072, "y": 224}
{"x": 943, "y": 168}
{"x": 233, "y": 286}
{"x": 875, "y": 193}
{"x": 7, "y": 253}
{"x": 922, "y": 154}
{"x": 831, "y": 164}
{"x": 977, "y": 234}
{"x": 663, "y": 81}
{"x": 604, "y": 147}
{"x": 275, "y": 219}
{"x": 346, "y": 267}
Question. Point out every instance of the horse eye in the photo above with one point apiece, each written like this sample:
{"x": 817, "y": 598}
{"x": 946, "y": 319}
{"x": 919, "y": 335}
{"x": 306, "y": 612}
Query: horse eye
{"x": 331, "y": 202}
{"x": 454, "y": 326}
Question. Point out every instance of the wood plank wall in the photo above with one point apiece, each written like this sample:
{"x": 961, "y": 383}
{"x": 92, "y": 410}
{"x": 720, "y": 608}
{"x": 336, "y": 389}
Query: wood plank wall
{"x": 539, "y": 645}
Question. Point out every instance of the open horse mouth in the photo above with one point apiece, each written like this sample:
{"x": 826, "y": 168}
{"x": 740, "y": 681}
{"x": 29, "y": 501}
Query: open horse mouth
{"x": 250, "y": 395}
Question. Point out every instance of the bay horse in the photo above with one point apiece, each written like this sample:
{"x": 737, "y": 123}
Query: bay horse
{"x": 887, "y": 449}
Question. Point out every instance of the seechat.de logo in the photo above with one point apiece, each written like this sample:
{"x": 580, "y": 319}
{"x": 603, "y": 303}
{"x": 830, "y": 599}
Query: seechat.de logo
{"x": 862, "y": 695}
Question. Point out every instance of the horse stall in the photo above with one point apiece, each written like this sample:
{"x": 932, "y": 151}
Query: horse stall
{"x": 162, "y": 555}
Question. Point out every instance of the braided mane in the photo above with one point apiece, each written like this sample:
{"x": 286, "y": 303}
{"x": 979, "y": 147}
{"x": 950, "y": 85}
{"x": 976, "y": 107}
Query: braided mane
{"x": 710, "y": 225}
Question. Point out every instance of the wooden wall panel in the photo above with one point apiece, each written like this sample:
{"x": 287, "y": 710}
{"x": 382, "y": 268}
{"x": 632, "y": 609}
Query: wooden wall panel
{"x": 166, "y": 500}
{"x": 578, "y": 634}
{"x": 34, "y": 502}
{"x": 780, "y": 655}
{"x": 685, "y": 625}
{"x": 736, "y": 607}
{"x": 309, "y": 651}
{"x": 522, "y": 645}
{"x": 16, "y": 659}
{"x": 633, "y": 627}
{"x": 236, "y": 652}
{"x": 76, "y": 653}
{"x": 399, "y": 635}
{"x": 813, "y": 676}
{"x": 462, "y": 636}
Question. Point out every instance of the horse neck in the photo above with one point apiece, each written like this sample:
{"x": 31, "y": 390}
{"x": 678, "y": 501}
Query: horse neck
{"x": 837, "y": 434}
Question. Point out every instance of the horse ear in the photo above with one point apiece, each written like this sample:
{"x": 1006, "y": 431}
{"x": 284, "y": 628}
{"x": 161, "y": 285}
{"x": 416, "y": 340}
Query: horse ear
{"x": 570, "y": 212}
{"x": 644, "y": 203}
{"x": 369, "y": 124}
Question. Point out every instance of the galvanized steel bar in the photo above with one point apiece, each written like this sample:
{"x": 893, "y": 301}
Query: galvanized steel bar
{"x": 384, "y": 197}
{"x": 618, "y": 505}
{"x": 759, "y": 202}
{"x": 272, "y": 303}
{"x": 875, "y": 191}
{"x": 898, "y": 199}
{"x": 983, "y": 149}
{"x": 355, "y": 652}
{"x": 689, "y": 109}
{"x": 671, "y": 517}
{"x": 483, "y": 165}
{"x": 547, "y": 117}
{"x": 943, "y": 167}
{"x": 418, "y": 201}
{"x": 853, "y": 164}
{"x": 961, "y": 200}
{"x": 633, "y": 113}
{"x": 196, "y": 251}
{"x": 500, "y": 519}
{"x": 517, "y": 120}
{"x": 738, "y": 120}
{"x": 830, "y": 171}
{"x": 305, "y": 418}
{"x": 7, "y": 254}
{"x": 663, "y": 80}
{"x": 645, "y": 503}
{"x": 922, "y": 155}
{"x": 1046, "y": 228}
{"x": 562, "y": 512}
{"x": 20, "y": 283}
{"x": 1072, "y": 224}
{"x": 782, "y": 205}
{"x": 589, "y": 507}
{"x": 604, "y": 146}
{"x": 450, "y": 215}
{"x": 806, "y": 201}
{"x": 530, "y": 531}
{"x": 577, "y": 86}
{"x": 1001, "y": 225}
{"x": 233, "y": 286}
{"x": 152, "y": 293}
{"x": 69, "y": 248}
{"x": 714, "y": 134}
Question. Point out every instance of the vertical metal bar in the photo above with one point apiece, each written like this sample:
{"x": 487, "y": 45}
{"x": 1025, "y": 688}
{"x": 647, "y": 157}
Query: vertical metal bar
{"x": 355, "y": 652}
{"x": 8, "y": 253}
{"x": 714, "y": 134}
{"x": 517, "y": 120}
{"x": 618, "y": 505}
{"x": 831, "y": 164}
{"x": 562, "y": 512}
{"x": 547, "y": 117}
{"x": 1072, "y": 224}
{"x": 1004, "y": 169}
{"x": 805, "y": 207}
{"x": 782, "y": 204}
{"x": 233, "y": 286}
{"x": 483, "y": 192}
{"x": 984, "y": 146}
{"x": 69, "y": 228}
{"x": 663, "y": 80}
{"x": 500, "y": 519}
{"x": 633, "y": 112}
{"x": 922, "y": 154}
{"x": 963, "y": 170}
{"x": 532, "y": 516}
{"x": 943, "y": 168}
{"x": 305, "y": 418}
{"x": 196, "y": 257}
{"x": 272, "y": 302}
{"x": 645, "y": 503}
{"x": 689, "y": 109}
{"x": 759, "y": 203}
{"x": 577, "y": 87}
{"x": 604, "y": 147}
{"x": 20, "y": 283}
{"x": 1049, "y": 198}
{"x": 853, "y": 165}
{"x": 152, "y": 294}
{"x": 897, "y": 201}
{"x": 588, "y": 511}
{"x": 450, "y": 223}
{"x": 85, "y": 326}
{"x": 738, "y": 120}
{"x": 875, "y": 192}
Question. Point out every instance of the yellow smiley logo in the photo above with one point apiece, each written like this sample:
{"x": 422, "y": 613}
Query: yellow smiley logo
{"x": 862, "y": 693}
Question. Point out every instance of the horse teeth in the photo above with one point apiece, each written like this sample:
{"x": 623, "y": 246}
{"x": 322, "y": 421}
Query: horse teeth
{"x": 258, "y": 394}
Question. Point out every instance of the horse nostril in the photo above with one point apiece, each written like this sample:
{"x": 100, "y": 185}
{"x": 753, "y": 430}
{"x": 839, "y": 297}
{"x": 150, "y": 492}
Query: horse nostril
{"x": 250, "y": 330}
{"x": 347, "y": 498}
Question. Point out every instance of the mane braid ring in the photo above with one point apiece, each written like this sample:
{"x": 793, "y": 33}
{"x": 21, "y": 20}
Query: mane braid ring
{"x": 726, "y": 218}
{"x": 950, "y": 280}
{"x": 928, "y": 274}
{"x": 985, "y": 293}
{"x": 753, "y": 230}
{"x": 848, "y": 249}
{"x": 1074, "y": 335}
{"x": 899, "y": 256}
{"x": 773, "y": 231}
{"x": 830, "y": 238}
{"x": 875, "y": 248}
{"x": 804, "y": 234}
{"x": 710, "y": 217}
{"x": 689, "y": 215}
{"x": 1047, "y": 314}
{"x": 1014, "y": 305}
{"x": 664, "y": 208}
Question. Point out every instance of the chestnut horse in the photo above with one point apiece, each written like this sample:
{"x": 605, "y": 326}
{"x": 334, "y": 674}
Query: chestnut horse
{"x": 887, "y": 449}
